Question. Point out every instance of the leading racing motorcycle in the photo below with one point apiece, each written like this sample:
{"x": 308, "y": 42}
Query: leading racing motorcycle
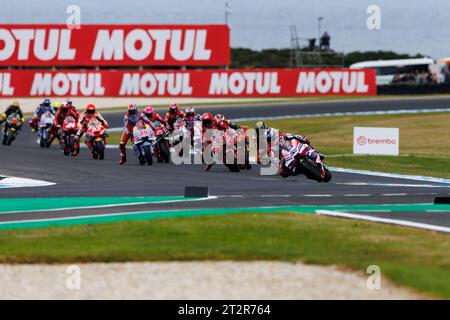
{"x": 96, "y": 139}
{"x": 302, "y": 158}
{"x": 45, "y": 123}
{"x": 11, "y": 128}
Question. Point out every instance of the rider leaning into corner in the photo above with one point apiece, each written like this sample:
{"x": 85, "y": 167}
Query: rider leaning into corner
{"x": 131, "y": 118}
{"x": 14, "y": 108}
{"x": 85, "y": 117}
{"x": 285, "y": 146}
{"x": 173, "y": 114}
{"x": 45, "y": 106}
{"x": 268, "y": 133}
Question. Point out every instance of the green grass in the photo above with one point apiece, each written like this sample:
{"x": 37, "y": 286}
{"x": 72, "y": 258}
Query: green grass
{"x": 424, "y": 141}
{"x": 414, "y": 258}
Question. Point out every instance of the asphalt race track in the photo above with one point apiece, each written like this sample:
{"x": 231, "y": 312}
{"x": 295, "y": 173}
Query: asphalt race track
{"x": 83, "y": 176}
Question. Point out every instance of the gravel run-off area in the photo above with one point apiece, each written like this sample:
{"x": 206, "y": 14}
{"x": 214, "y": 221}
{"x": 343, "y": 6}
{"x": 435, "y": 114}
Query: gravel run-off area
{"x": 191, "y": 280}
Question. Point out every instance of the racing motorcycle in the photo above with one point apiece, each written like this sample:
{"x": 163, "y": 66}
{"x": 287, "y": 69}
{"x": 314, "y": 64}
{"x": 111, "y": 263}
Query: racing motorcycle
{"x": 143, "y": 141}
{"x": 11, "y": 128}
{"x": 179, "y": 132}
{"x": 162, "y": 147}
{"x": 45, "y": 137}
{"x": 230, "y": 155}
{"x": 96, "y": 139}
{"x": 302, "y": 158}
{"x": 69, "y": 130}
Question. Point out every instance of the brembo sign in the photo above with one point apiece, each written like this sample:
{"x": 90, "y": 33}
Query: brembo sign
{"x": 112, "y": 45}
{"x": 189, "y": 83}
{"x": 380, "y": 141}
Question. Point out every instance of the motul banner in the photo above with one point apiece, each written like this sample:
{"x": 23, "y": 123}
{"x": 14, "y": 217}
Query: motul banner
{"x": 202, "y": 83}
{"x": 114, "y": 45}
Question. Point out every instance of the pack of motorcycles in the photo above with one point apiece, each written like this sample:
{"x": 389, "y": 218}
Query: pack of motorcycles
{"x": 158, "y": 143}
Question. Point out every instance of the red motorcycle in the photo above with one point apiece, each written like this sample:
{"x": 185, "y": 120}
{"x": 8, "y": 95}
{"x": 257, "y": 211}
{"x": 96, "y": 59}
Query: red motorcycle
{"x": 68, "y": 142}
{"x": 162, "y": 147}
{"x": 96, "y": 139}
{"x": 233, "y": 144}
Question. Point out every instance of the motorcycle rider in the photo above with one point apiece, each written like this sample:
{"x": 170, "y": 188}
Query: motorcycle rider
{"x": 45, "y": 106}
{"x": 71, "y": 106}
{"x": 173, "y": 114}
{"x": 130, "y": 119}
{"x": 14, "y": 108}
{"x": 287, "y": 147}
{"x": 191, "y": 118}
{"x": 223, "y": 123}
{"x": 63, "y": 112}
{"x": 90, "y": 113}
{"x": 153, "y": 116}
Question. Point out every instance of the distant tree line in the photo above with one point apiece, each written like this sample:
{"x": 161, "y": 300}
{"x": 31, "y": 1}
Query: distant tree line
{"x": 281, "y": 58}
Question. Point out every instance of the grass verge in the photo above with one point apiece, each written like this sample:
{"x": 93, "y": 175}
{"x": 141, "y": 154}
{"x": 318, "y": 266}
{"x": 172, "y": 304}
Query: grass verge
{"x": 414, "y": 258}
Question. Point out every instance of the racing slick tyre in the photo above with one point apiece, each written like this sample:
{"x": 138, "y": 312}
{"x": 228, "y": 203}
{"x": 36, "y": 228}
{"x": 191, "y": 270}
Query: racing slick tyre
{"x": 5, "y": 138}
{"x": 164, "y": 151}
{"x": 70, "y": 145}
{"x": 233, "y": 167}
{"x": 311, "y": 170}
{"x": 99, "y": 146}
{"x": 10, "y": 138}
{"x": 42, "y": 143}
{"x": 328, "y": 175}
{"x": 141, "y": 159}
{"x": 148, "y": 155}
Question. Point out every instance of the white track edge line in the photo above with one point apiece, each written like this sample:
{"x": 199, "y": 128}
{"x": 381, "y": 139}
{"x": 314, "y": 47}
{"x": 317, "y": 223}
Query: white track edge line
{"x": 426, "y": 226}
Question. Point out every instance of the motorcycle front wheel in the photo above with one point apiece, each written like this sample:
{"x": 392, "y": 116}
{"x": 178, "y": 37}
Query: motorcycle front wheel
{"x": 148, "y": 155}
{"x": 99, "y": 147}
{"x": 10, "y": 138}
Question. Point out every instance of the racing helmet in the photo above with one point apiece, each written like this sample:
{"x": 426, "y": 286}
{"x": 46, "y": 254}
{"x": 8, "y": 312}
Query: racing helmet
{"x": 64, "y": 107}
{"x": 190, "y": 112}
{"x": 207, "y": 119}
{"x": 173, "y": 109}
{"x": 132, "y": 108}
{"x": 15, "y": 103}
{"x": 90, "y": 108}
{"x": 260, "y": 125}
{"x": 46, "y": 103}
{"x": 219, "y": 120}
{"x": 148, "y": 111}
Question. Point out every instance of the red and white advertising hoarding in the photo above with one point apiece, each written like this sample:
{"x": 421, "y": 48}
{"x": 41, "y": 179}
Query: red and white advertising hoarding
{"x": 191, "y": 83}
{"x": 114, "y": 45}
